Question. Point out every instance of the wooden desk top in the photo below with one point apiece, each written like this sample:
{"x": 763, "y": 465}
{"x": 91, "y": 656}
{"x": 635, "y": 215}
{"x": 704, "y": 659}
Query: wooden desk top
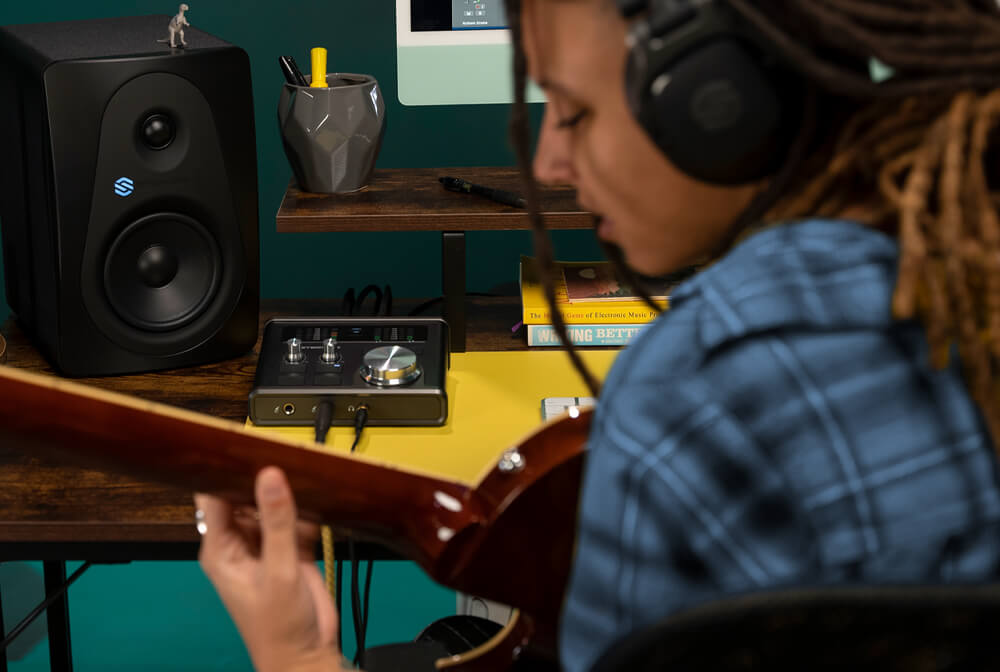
{"x": 412, "y": 199}
{"x": 43, "y": 502}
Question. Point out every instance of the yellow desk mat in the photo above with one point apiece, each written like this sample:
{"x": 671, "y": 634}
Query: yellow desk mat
{"x": 494, "y": 401}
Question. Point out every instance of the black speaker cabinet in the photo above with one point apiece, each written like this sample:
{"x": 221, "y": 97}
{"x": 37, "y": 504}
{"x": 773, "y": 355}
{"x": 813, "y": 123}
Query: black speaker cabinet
{"x": 128, "y": 194}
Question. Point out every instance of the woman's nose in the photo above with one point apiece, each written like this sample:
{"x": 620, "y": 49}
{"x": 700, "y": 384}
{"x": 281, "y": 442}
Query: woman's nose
{"x": 553, "y": 163}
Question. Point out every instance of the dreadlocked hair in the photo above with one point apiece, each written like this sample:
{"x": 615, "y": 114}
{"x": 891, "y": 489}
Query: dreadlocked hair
{"x": 913, "y": 150}
{"x": 520, "y": 137}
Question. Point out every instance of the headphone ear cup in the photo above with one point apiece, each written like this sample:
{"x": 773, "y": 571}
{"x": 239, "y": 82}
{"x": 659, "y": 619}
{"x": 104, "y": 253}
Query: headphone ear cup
{"x": 716, "y": 113}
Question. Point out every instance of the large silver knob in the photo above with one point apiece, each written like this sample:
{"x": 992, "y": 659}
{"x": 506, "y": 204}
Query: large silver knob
{"x": 390, "y": 365}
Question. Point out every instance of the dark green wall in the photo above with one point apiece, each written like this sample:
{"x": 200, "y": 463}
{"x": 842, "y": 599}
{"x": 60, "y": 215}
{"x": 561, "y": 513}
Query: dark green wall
{"x": 360, "y": 37}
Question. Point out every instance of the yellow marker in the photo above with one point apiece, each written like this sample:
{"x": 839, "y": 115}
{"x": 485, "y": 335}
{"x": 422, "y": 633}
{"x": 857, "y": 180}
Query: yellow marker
{"x": 318, "y": 67}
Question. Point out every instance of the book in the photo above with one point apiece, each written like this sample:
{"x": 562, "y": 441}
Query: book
{"x": 597, "y": 282}
{"x": 535, "y": 309}
{"x": 584, "y": 334}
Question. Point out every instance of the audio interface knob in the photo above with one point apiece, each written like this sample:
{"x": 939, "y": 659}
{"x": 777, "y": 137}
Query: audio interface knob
{"x": 390, "y": 365}
{"x": 331, "y": 352}
{"x": 293, "y": 351}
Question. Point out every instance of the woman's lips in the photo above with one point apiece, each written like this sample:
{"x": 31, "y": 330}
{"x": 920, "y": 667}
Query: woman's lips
{"x": 604, "y": 226}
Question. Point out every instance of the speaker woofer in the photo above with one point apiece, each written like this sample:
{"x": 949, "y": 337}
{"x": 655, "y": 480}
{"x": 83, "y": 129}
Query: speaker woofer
{"x": 162, "y": 271}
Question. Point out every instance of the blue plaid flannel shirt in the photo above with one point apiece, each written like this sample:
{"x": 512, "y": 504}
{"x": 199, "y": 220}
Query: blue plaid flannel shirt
{"x": 776, "y": 426}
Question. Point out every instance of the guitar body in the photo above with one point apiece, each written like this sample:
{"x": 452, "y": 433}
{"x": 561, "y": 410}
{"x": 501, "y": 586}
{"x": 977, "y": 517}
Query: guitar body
{"x": 508, "y": 538}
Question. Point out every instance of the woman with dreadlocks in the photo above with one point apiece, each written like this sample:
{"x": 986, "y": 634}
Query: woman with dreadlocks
{"x": 819, "y": 405}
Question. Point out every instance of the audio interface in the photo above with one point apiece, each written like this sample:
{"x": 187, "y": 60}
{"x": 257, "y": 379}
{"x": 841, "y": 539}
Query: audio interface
{"x": 394, "y": 366}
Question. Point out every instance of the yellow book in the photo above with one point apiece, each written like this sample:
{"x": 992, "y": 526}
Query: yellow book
{"x": 617, "y": 310}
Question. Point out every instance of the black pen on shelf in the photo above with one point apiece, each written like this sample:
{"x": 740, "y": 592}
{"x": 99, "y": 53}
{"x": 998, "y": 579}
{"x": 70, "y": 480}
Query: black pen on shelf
{"x": 497, "y": 195}
{"x": 291, "y": 71}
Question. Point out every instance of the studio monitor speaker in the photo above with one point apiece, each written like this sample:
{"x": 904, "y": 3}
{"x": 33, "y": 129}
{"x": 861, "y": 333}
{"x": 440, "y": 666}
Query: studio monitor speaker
{"x": 128, "y": 194}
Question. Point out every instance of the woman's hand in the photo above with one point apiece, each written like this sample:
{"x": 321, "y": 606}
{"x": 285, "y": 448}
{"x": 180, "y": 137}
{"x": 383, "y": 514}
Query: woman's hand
{"x": 267, "y": 577}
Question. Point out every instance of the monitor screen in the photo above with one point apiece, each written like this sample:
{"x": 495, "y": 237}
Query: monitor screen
{"x": 457, "y": 15}
{"x": 453, "y": 52}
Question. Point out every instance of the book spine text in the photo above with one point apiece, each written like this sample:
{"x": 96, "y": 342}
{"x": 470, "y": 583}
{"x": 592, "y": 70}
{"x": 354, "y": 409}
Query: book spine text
{"x": 584, "y": 334}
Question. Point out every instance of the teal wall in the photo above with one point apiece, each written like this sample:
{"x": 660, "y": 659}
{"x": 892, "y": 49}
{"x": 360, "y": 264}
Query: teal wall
{"x": 164, "y": 616}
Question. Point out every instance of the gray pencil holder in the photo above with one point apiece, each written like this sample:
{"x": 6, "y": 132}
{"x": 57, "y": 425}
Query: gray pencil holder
{"x": 332, "y": 135}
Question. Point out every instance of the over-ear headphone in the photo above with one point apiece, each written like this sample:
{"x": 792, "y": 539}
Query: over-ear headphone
{"x": 708, "y": 91}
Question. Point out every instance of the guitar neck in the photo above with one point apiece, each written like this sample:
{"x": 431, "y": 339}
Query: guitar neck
{"x": 488, "y": 540}
{"x": 157, "y": 442}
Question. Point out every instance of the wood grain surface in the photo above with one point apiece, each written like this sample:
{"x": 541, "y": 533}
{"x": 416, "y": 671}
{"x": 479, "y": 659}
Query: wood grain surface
{"x": 412, "y": 199}
{"x": 42, "y": 500}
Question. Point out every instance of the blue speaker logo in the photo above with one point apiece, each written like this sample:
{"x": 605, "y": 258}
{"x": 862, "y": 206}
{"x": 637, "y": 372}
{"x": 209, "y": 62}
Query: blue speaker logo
{"x": 124, "y": 187}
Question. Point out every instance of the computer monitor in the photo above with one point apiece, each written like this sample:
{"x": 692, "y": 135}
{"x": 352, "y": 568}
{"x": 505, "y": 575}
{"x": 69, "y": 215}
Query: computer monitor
{"x": 454, "y": 52}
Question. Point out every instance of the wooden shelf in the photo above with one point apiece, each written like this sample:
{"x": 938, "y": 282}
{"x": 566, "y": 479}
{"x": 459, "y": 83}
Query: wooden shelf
{"x": 412, "y": 199}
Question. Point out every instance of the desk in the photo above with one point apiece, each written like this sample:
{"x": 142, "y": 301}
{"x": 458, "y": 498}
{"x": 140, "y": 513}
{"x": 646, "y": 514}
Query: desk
{"x": 412, "y": 199}
{"x": 52, "y": 512}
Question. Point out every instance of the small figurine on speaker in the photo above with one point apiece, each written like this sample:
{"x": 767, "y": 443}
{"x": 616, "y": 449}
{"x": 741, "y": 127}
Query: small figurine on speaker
{"x": 176, "y": 27}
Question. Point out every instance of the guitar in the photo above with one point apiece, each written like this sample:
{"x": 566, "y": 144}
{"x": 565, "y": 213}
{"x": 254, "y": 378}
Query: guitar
{"x": 508, "y": 538}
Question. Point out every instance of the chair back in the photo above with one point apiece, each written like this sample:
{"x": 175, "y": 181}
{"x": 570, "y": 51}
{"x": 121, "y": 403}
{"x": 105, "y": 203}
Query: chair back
{"x": 904, "y": 628}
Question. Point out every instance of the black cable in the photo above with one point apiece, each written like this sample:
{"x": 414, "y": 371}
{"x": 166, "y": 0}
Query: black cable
{"x": 355, "y": 605}
{"x": 365, "y": 603}
{"x": 360, "y": 616}
{"x": 421, "y": 307}
{"x": 363, "y": 294}
{"x": 324, "y": 418}
{"x": 360, "y": 420}
{"x": 339, "y": 564}
{"x": 425, "y": 305}
{"x": 387, "y": 306}
{"x": 27, "y": 620}
{"x": 347, "y": 303}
